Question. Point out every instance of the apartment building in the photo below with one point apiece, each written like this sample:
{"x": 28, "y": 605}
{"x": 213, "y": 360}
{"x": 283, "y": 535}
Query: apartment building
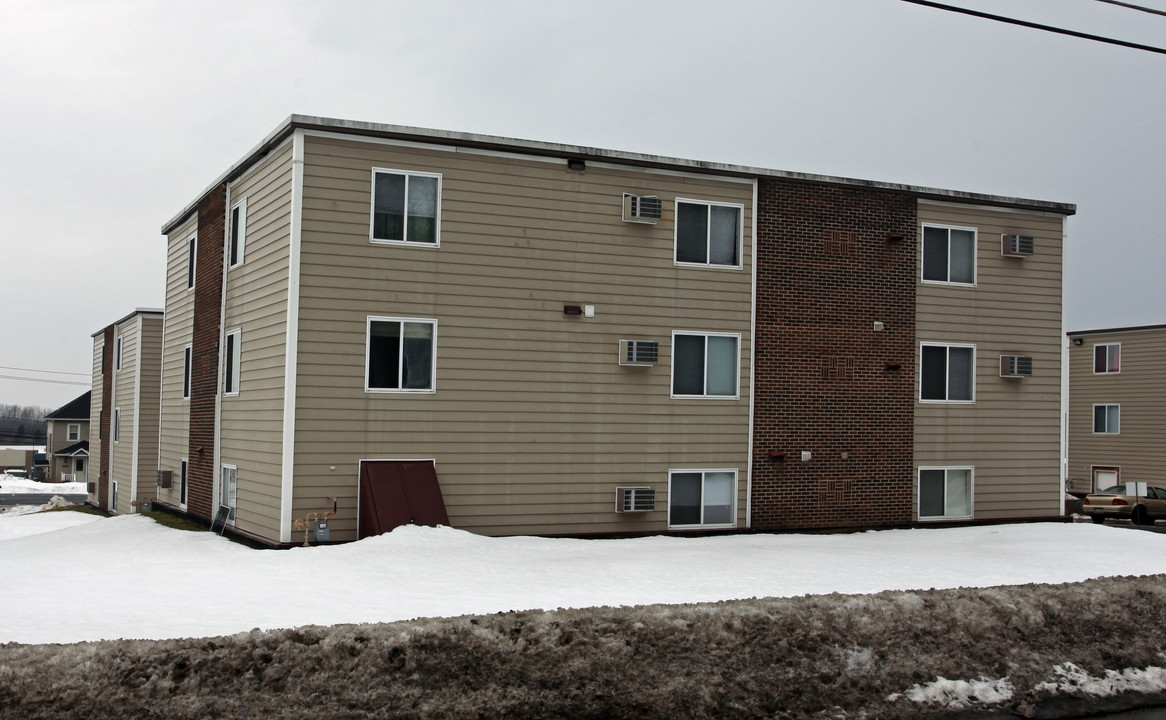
{"x": 519, "y": 337}
{"x": 124, "y": 404}
{"x": 67, "y": 451}
{"x": 1117, "y": 407}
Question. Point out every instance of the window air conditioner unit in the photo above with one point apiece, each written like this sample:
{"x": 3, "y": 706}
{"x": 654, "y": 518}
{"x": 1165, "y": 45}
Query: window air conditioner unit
{"x": 639, "y": 352}
{"x": 635, "y": 499}
{"x": 164, "y": 478}
{"x": 642, "y": 208}
{"x": 1015, "y": 366}
{"x": 1017, "y": 245}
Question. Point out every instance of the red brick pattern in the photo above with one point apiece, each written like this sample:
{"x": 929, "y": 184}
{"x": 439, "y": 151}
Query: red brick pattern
{"x": 826, "y": 272}
{"x": 208, "y": 288}
{"x": 105, "y": 424}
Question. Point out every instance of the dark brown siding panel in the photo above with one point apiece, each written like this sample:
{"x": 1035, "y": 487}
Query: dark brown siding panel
{"x": 205, "y": 347}
{"x": 395, "y": 493}
{"x": 425, "y": 502}
{"x": 831, "y": 262}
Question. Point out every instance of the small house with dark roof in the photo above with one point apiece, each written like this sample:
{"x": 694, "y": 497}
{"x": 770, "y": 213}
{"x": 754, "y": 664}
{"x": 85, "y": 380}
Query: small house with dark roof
{"x": 68, "y": 441}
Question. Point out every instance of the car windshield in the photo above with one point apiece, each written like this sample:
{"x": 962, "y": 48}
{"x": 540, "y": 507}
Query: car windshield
{"x": 1115, "y": 490}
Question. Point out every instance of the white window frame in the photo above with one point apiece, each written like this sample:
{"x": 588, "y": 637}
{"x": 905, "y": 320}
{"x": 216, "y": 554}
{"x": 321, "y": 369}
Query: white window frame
{"x": 368, "y": 355}
{"x": 975, "y": 255}
{"x": 947, "y": 373}
{"x": 232, "y": 352}
{"x": 708, "y": 240}
{"x": 229, "y": 492}
{"x": 183, "y": 480}
{"x": 1107, "y": 371}
{"x": 72, "y": 432}
{"x": 237, "y": 233}
{"x": 187, "y": 370}
{"x": 971, "y": 493}
{"x": 703, "y": 473}
{"x": 117, "y": 353}
{"x": 705, "y": 396}
{"x": 191, "y": 264}
{"x": 436, "y": 210}
{"x": 1093, "y": 418}
{"x": 116, "y": 425}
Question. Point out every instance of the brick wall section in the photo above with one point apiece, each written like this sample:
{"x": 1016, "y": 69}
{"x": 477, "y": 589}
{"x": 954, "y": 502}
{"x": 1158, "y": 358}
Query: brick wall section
{"x": 106, "y": 422}
{"x": 826, "y": 273}
{"x": 204, "y": 379}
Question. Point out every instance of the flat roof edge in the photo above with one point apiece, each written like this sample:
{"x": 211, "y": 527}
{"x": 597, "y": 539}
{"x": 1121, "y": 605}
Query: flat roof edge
{"x": 137, "y": 311}
{"x": 1108, "y": 331}
{"x": 534, "y": 147}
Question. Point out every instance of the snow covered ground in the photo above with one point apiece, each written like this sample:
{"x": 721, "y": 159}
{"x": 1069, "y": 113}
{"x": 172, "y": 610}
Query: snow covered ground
{"x": 10, "y": 485}
{"x": 68, "y": 577}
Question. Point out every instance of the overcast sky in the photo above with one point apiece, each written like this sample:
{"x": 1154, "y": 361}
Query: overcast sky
{"x": 118, "y": 113}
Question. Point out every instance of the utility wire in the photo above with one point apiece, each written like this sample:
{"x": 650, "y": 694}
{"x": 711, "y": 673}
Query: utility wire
{"x": 42, "y": 380}
{"x": 51, "y": 372}
{"x": 1131, "y": 6}
{"x": 1037, "y": 26}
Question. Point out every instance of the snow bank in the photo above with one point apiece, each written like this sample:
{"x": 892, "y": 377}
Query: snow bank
{"x": 901, "y": 655}
{"x": 10, "y": 485}
{"x": 133, "y": 572}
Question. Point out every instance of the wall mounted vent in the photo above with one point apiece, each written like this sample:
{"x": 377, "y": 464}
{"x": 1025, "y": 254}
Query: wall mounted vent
{"x": 639, "y": 352}
{"x": 164, "y": 478}
{"x": 642, "y": 208}
{"x": 1017, "y": 245}
{"x": 635, "y": 499}
{"x": 1015, "y": 366}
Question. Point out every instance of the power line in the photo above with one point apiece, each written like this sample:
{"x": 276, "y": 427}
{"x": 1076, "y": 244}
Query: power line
{"x": 50, "y": 372}
{"x": 1131, "y": 6}
{"x": 43, "y": 380}
{"x": 1038, "y": 26}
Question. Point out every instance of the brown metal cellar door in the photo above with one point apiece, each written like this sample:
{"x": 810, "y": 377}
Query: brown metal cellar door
{"x": 395, "y": 493}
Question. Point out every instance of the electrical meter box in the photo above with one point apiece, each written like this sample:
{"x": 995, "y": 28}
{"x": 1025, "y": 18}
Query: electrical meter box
{"x": 320, "y": 531}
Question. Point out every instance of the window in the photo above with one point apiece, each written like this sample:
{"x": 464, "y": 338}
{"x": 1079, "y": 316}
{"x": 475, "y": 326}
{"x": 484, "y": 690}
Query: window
{"x": 702, "y": 498}
{"x": 238, "y": 237}
{"x": 406, "y": 207}
{"x": 228, "y": 490}
{"x": 231, "y": 359}
{"x": 708, "y": 233}
{"x": 945, "y": 493}
{"x": 704, "y": 364}
{"x": 117, "y": 424}
{"x": 191, "y": 252}
{"x": 1107, "y": 419}
{"x": 949, "y": 255}
{"x": 183, "y": 475}
{"x": 947, "y": 373}
{"x": 73, "y": 432}
{"x": 401, "y": 355}
{"x": 186, "y": 357}
{"x": 117, "y": 345}
{"x": 1107, "y": 358}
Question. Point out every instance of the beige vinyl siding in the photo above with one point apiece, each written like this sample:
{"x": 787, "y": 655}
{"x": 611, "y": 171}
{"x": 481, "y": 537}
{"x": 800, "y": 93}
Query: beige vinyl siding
{"x": 251, "y": 423}
{"x": 121, "y": 452}
{"x": 149, "y": 403}
{"x": 1011, "y": 433}
{"x": 179, "y": 323}
{"x": 1139, "y": 449}
{"x": 97, "y": 393}
{"x": 533, "y": 424}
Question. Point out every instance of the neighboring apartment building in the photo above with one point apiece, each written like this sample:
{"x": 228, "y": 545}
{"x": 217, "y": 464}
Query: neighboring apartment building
{"x": 123, "y": 437}
{"x": 520, "y": 337}
{"x": 68, "y": 441}
{"x": 1117, "y": 407}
